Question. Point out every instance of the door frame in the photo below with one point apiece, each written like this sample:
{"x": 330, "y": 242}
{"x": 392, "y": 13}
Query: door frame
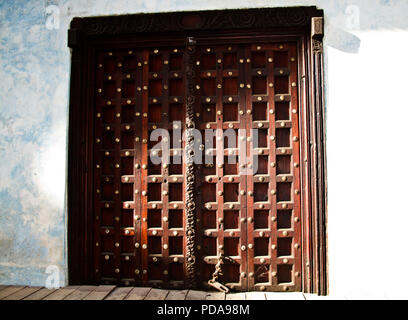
{"x": 301, "y": 24}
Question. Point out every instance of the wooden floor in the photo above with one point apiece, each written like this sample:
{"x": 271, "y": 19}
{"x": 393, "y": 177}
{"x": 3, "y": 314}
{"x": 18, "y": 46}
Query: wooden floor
{"x": 133, "y": 293}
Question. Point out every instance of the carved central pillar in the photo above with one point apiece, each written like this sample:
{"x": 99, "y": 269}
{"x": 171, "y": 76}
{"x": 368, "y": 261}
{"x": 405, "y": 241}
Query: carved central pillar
{"x": 190, "y": 178}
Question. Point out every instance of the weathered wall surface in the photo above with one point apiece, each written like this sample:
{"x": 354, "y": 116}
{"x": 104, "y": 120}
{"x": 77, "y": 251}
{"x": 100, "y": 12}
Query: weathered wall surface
{"x": 365, "y": 59}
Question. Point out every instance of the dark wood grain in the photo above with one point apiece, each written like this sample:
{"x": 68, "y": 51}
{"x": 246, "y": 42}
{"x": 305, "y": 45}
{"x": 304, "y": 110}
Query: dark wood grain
{"x": 255, "y": 296}
{"x": 60, "y": 294}
{"x": 99, "y": 293}
{"x": 80, "y": 293}
{"x": 196, "y": 295}
{"x": 40, "y": 294}
{"x": 177, "y": 295}
{"x": 215, "y": 296}
{"x": 119, "y": 293}
{"x": 9, "y": 291}
{"x": 235, "y": 296}
{"x": 138, "y": 293}
{"x": 21, "y": 294}
{"x": 156, "y": 294}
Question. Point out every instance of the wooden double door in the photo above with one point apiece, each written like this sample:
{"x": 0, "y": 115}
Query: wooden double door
{"x": 236, "y": 204}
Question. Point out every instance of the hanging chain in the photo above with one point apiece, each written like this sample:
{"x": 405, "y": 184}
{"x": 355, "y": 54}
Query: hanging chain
{"x": 213, "y": 282}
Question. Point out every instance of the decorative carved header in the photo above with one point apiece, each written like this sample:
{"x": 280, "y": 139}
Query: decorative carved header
{"x": 196, "y": 20}
{"x": 317, "y": 34}
{"x": 317, "y": 27}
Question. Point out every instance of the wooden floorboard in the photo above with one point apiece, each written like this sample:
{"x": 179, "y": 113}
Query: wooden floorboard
{"x": 284, "y": 296}
{"x": 177, "y": 295}
{"x": 157, "y": 294}
{"x": 61, "y": 293}
{"x": 40, "y": 294}
{"x": 111, "y": 292}
{"x": 196, "y": 295}
{"x": 21, "y": 294}
{"x": 3, "y": 287}
{"x": 255, "y": 295}
{"x": 138, "y": 293}
{"x": 9, "y": 291}
{"x": 99, "y": 293}
{"x": 235, "y": 296}
{"x": 215, "y": 296}
{"x": 119, "y": 293}
{"x": 80, "y": 293}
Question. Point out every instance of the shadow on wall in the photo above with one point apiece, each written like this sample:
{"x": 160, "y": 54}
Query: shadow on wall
{"x": 348, "y": 18}
{"x": 345, "y": 17}
{"x": 342, "y": 40}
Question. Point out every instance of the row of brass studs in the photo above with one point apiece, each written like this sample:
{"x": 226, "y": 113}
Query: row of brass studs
{"x": 156, "y": 51}
{"x": 260, "y": 206}
{"x": 140, "y": 64}
{"x": 248, "y": 60}
{"x": 259, "y": 98}
{"x": 175, "y": 259}
{"x": 208, "y": 50}
{"x": 165, "y": 219}
{"x": 154, "y": 100}
{"x": 144, "y": 271}
{"x": 219, "y": 86}
{"x": 250, "y": 246}
{"x": 242, "y": 166}
{"x": 260, "y": 124}
{"x": 137, "y": 166}
{"x": 137, "y": 245}
{"x": 208, "y": 125}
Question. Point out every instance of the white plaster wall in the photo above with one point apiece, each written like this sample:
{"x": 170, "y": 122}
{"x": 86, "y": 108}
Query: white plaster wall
{"x": 366, "y": 138}
{"x": 365, "y": 61}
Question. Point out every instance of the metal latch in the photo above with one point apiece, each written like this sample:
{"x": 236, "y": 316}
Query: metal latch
{"x": 219, "y": 286}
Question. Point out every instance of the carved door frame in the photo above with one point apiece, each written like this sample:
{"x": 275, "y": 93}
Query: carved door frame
{"x": 304, "y": 25}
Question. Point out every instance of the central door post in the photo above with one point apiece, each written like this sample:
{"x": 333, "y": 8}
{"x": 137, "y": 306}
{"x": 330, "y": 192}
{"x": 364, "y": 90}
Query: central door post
{"x": 190, "y": 245}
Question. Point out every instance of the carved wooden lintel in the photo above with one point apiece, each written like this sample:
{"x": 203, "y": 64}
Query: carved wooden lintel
{"x": 196, "y": 21}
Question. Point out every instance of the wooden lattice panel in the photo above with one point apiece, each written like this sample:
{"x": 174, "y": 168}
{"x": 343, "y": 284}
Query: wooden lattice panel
{"x": 273, "y": 210}
{"x": 252, "y": 219}
{"x": 140, "y": 206}
{"x": 163, "y": 207}
{"x": 117, "y": 175}
{"x": 223, "y": 190}
{"x": 139, "y": 209}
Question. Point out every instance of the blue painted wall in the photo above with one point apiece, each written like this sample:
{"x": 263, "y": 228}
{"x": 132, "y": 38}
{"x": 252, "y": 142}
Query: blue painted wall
{"x": 362, "y": 90}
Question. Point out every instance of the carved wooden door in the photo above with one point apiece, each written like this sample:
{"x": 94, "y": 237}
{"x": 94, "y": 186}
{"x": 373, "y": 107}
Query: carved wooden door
{"x": 167, "y": 224}
{"x": 139, "y": 208}
{"x": 249, "y": 199}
